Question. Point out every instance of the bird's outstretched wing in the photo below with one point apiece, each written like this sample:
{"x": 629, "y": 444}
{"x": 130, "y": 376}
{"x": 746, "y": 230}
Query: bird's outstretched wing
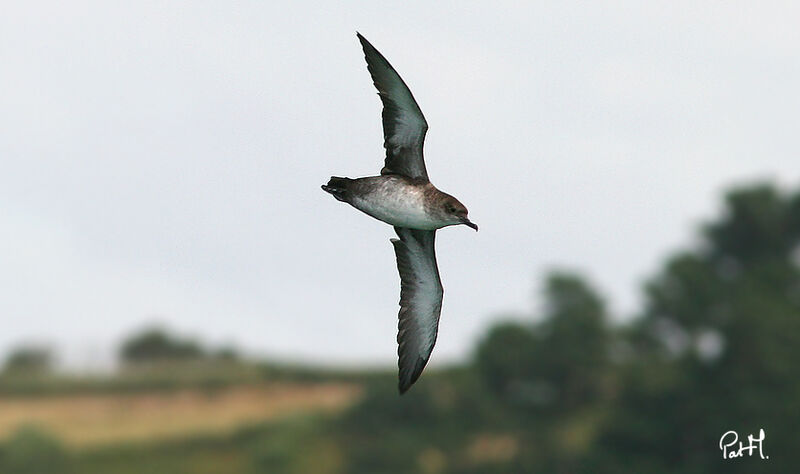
{"x": 404, "y": 126}
{"x": 420, "y": 301}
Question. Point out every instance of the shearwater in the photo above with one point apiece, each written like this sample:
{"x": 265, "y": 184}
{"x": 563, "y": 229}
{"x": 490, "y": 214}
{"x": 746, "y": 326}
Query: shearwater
{"x": 404, "y": 197}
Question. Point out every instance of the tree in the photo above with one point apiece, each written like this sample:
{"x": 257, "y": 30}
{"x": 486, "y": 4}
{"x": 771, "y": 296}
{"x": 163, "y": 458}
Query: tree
{"x": 717, "y": 346}
{"x": 575, "y": 341}
{"x": 156, "y": 345}
{"x": 506, "y": 360}
{"x": 559, "y": 362}
{"x": 31, "y": 451}
{"x": 552, "y": 376}
{"x": 29, "y": 360}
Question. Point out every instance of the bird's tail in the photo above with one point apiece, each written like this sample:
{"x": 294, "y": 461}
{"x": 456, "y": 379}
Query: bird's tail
{"x": 338, "y": 187}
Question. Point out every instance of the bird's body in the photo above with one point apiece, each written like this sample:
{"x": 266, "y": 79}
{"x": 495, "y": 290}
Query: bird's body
{"x": 396, "y": 200}
{"x": 404, "y": 197}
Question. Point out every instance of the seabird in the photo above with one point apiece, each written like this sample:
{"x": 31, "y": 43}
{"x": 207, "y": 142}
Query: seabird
{"x": 404, "y": 197}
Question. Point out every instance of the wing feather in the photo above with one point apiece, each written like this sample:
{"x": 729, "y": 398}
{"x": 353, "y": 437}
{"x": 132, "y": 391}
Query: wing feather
{"x": 404, "y": 126}
{"x": 421, "y": 295}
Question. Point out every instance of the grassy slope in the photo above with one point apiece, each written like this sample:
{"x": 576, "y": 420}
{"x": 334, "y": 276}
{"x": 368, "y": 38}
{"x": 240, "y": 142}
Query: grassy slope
{"x": 80, "y": 420}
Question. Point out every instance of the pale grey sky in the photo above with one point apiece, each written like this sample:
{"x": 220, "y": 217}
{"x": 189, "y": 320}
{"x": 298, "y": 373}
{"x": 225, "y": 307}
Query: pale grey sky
{"x": 161, "y": 161}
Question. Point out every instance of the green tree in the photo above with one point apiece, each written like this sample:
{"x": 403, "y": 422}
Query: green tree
{"x": 156, "y": 345}
{"x": 30, "y": 451}
{"x": 717, "y": 347}
{"x": 552, "y": 376}
{"x": 506, "y": 360}
{"x": 29, "y": 360}
{"x": 575, "y": 342}
{"x": 559, "y": 363}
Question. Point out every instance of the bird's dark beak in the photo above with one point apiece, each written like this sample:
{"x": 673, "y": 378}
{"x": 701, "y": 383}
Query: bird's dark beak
{"x": 469, "y": 223}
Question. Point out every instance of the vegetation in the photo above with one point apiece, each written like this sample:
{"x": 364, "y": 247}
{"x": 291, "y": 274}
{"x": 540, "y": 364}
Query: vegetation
{"x": 715, "y": 347}
{"x": 30, "y": 360}
{"x": 156, "y": 345}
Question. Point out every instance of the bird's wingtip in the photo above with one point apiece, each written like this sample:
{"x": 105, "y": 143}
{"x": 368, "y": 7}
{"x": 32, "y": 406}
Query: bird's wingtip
{"x": 408, "y": 376}
{"x": 405, "y": 383}
{"x": 364, "y": 42}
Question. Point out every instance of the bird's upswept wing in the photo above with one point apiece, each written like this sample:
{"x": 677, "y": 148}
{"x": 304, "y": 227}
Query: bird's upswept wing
{"x": 420, "y": 301}
{"x": 404, "y": 126}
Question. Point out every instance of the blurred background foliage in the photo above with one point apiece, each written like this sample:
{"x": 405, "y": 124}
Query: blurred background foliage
{"x": 715, "y": 347}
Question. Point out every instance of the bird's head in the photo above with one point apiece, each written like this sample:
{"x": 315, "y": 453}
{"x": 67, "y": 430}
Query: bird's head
{"x": 456, "y": 213}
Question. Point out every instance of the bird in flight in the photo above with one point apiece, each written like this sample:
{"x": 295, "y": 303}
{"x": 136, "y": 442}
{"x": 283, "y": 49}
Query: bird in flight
{"x": 404, "y": 197}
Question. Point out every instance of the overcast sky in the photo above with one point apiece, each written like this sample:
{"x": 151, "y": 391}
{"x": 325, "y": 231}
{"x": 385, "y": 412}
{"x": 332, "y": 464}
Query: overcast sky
{"x": 161, "y": 161}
